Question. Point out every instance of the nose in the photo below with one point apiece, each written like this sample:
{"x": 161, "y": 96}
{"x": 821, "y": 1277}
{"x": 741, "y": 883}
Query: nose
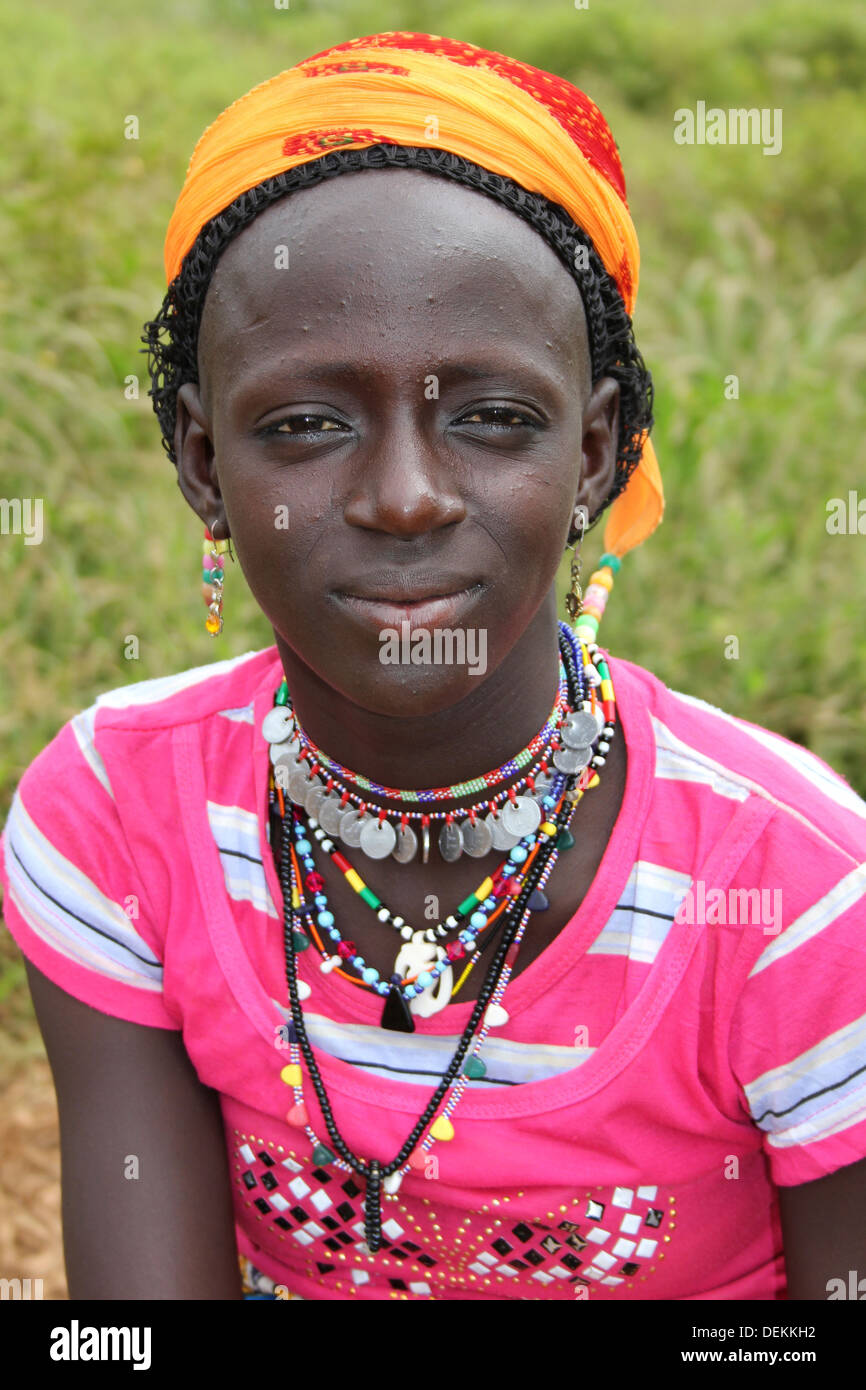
{"x": 405, "y": 484}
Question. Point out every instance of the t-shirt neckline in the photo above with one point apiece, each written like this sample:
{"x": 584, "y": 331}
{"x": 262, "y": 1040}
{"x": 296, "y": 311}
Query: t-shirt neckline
{"x": 612, "y": 1054}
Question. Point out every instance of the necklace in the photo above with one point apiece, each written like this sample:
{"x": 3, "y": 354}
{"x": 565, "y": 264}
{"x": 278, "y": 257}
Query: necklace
{"x": 421, "y": 981}
{"x": 376, "y": 835}
{"x": 488, "y": 1012}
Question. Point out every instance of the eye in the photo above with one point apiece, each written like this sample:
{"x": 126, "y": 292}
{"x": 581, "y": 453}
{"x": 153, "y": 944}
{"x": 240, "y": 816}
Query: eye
{"x": 306, "y": 424}
{"x": 506, "y": 418}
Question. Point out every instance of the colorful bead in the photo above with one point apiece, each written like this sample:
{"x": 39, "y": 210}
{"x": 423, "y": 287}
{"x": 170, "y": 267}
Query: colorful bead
{"x": 292, "y": 1075}
{"x": 495, "y": 1016}
{"x": 474, "y": 1067}
{"x": 603, "y": 578}
{"x": 298, "y": 1116}
{"x": 442, "y": 1129}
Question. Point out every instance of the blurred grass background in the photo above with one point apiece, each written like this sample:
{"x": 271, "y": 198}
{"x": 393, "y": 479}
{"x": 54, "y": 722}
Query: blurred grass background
{"x": 751, "y": 265}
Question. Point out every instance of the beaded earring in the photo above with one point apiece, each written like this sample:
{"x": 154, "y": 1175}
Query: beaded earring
{"x": 585, "y": 612}
{"x": 212, "y": 576}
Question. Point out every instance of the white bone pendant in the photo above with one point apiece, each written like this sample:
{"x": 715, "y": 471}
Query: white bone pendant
{"x": 417, "y": 955}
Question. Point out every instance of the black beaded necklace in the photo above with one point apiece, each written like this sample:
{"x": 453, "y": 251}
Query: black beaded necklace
{"x": 374, "y": 1171}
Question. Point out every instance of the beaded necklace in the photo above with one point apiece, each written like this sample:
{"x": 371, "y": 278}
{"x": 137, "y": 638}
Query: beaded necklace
{"x": 329, "y": 805}
{"x": 529, "y": 871}
{"x": 422, "y": 967}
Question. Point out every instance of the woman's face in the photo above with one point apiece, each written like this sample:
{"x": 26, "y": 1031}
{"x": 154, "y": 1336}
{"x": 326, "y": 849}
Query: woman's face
{"x": 395, "y": 399}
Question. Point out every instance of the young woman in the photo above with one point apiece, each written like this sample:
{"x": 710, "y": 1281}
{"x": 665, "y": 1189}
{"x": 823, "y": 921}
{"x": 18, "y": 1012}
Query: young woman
{"x": 432, "y": 952}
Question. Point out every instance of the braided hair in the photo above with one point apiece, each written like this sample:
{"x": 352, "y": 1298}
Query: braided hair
{"x": 171, "y": 339}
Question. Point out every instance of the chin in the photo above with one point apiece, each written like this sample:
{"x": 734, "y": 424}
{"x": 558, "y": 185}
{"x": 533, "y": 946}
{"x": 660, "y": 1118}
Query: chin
{"x": 406, "y": 692}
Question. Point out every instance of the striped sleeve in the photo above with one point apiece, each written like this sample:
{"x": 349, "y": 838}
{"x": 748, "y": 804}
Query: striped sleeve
{"x": 797, "y": 1044}
{"x": 72, "y": 899}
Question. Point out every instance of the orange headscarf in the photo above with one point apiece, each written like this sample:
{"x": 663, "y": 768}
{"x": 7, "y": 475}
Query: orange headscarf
{"x": 422, "y": 89}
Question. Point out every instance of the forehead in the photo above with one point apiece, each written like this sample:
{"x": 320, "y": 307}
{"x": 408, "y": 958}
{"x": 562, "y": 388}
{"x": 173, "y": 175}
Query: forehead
{"x": 391, "y": 259}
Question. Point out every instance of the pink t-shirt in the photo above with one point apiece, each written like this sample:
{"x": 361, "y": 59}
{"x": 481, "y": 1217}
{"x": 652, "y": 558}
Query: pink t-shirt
{"x": 694, "y": 1037}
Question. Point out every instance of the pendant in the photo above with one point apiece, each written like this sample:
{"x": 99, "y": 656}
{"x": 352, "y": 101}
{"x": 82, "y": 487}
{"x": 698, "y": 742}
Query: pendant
{"x": 579, "y": 729}
{"x": 331, "y": 814}
{"x": 300, "y": 783}
{"x": 378, "y": 839}
{"x": 395, "y": 1015}
{"x": 477, "y": 839}
{"x": 450, "y": 842}
{"x": 436, "y": 996}
{"x": 407, "y": 845}
{"x": 521, "y": 816}
{"x": 280, "y": 750}
{"x": 543, "y": 785}
{"x": 284, "y": 766}
{"x": 313, "y": 798}
{"x": 500, "y": 836}
{"x": 425, "y": 843}
{"x": 351, "y": 825}
{"x": 415, "y": 956}
{"x": 277, "y": 724}
{"x": 572, "y": 760}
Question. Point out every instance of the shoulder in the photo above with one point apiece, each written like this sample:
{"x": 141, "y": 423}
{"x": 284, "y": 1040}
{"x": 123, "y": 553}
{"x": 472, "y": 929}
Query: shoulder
{"x": 127, "y": 723}
{"x": 89, "y": 860}
{"x": 219, "y": 687}
{"x": 720, "y": 756}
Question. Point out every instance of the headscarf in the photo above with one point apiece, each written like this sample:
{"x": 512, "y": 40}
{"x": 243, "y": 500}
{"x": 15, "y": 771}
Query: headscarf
{"x": 502, "y": 114}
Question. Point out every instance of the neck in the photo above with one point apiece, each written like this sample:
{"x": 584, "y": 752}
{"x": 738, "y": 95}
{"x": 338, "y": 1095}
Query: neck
{"x": 479, "y": 733}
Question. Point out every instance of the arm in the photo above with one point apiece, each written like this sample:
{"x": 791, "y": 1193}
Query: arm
{"x": 128, "y": 1090}
{"x": 824, "y": 1232}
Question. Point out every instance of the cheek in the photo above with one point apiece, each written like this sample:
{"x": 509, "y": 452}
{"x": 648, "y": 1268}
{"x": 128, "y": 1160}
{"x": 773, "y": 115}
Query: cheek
{"x": 531, "y": 519}
{"x": 274, "y": 529}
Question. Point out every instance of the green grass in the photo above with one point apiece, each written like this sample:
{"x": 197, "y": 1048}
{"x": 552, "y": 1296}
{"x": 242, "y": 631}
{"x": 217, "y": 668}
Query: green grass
{"x": 750, "y": 265}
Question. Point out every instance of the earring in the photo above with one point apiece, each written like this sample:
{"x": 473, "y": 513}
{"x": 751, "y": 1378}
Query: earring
{"x": 574, "y": 599}
{"x": 212, "y": 576}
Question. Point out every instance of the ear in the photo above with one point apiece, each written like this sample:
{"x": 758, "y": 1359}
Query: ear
{"x": 196, "y": 461}
{"x": 599, "y": 447}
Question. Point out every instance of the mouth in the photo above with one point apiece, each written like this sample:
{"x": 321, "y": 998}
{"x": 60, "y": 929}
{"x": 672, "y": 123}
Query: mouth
{"x": 427, "y": 611}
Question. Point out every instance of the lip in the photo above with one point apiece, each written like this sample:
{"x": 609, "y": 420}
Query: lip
{"x": 443, "y": 610}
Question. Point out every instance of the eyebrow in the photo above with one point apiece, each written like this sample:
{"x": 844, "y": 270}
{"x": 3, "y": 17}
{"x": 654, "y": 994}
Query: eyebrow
{"x": 355, "y": 371}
